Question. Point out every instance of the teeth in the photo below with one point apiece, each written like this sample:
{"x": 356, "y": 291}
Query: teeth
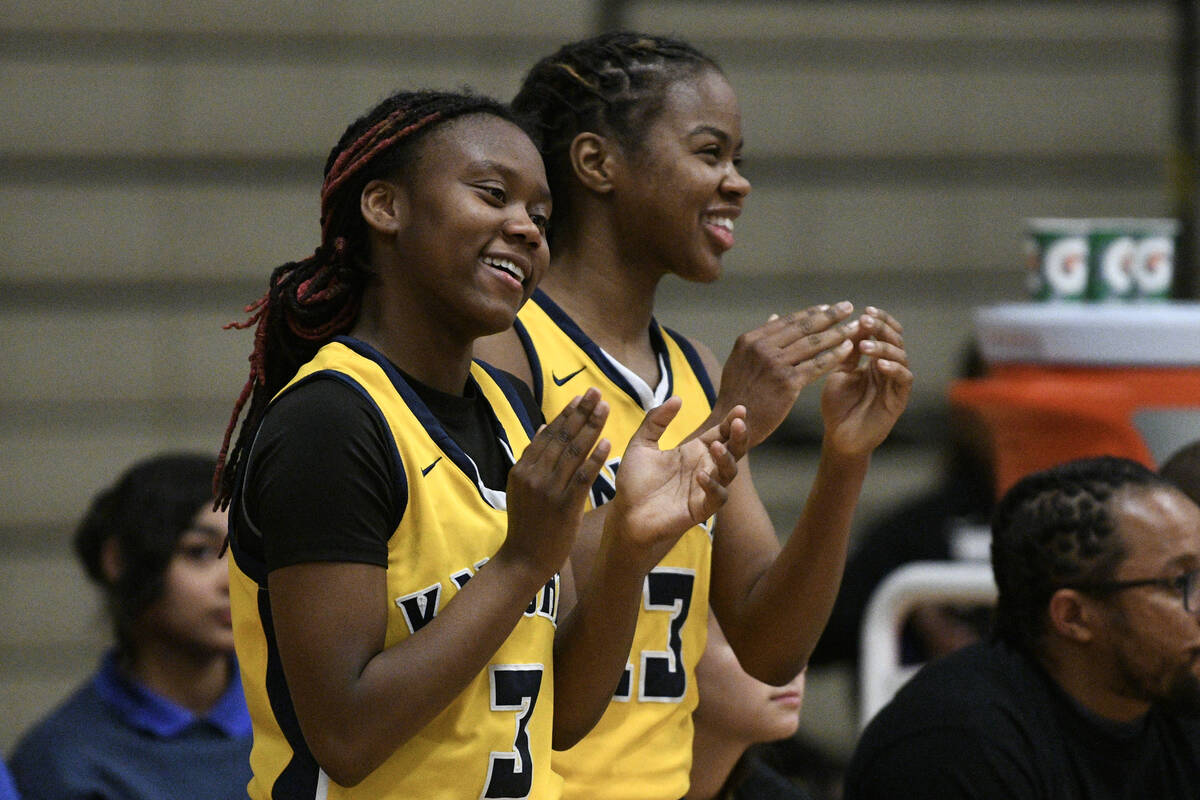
{"x": 507, "y": 266}
{"x": 721, "y": 222}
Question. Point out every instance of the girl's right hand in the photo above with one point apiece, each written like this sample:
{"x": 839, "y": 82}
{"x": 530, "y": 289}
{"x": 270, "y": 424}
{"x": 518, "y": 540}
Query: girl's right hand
{"x": 548, "y": 485}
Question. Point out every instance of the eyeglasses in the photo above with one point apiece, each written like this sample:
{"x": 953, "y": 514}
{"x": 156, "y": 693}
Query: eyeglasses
{"x": 1186, "y": 584}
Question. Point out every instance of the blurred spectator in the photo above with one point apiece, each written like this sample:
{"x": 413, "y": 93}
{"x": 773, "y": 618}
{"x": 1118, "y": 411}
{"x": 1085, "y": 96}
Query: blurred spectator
{"x": 1183, "y": 470}
{"x": 1090, "y": 688}
{"x": 164, "y": 716}
{"x": 737, "y": 711}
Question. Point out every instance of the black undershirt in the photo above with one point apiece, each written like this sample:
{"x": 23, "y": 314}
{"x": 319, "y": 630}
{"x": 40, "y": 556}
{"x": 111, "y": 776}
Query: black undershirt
{"x": 321, "y": 480}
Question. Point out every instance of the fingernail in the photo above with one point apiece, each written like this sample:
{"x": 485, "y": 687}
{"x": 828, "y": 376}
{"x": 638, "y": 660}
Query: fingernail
{"x": 868, "y": 346}
{"x": 845, "y": 306}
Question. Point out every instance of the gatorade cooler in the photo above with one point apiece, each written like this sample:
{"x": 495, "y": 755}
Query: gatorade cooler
{"x": 1068, "y": 380}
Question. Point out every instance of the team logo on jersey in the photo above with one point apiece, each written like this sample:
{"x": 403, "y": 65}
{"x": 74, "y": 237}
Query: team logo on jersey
{"x": 429, "y": 469}
{"x": 560, "y": 381}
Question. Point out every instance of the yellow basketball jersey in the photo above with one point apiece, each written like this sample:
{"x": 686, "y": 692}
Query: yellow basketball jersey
{"x": 642, "y": 747}
{"x": 493, "y": 741}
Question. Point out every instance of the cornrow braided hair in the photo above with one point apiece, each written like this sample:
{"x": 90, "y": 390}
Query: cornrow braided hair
{"x": 614, "y": 84}
{"x": 1183, "y": 470}
{"x": 1052, "y": 528}
{"x": 310, "y": 301}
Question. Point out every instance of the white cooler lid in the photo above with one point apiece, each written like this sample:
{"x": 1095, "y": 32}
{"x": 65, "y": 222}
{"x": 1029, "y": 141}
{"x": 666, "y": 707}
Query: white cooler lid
{"x": 1091, "y": 334}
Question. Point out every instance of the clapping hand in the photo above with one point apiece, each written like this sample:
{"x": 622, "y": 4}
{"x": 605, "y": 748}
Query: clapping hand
{"x": 865, "y": 395}
{"x": 661, "y": 493}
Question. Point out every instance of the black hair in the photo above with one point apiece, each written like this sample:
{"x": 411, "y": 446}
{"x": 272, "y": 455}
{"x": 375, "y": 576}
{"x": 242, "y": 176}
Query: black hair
{"x": 614, "y": 84}
{"x": 1052, "y": 528}
{"x": 308, "y": 302}
{"x": 1183, "y": 470}
{"x": 146, "y": 511}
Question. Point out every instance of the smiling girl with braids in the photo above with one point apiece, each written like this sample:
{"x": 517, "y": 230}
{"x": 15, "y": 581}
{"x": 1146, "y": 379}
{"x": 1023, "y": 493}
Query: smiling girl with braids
{"x": 642, "y": 140}
{"x": 397, "y": 527}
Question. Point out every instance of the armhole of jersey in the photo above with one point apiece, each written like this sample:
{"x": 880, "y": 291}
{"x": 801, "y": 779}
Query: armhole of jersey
{"x": 696, "y": 363}
{"x": 504, "y": 381}
{"x": 535, "y": 364}
{"x": 254, "y": 568}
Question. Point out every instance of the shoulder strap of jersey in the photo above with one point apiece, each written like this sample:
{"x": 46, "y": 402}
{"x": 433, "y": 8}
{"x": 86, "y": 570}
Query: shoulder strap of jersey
{"x": 694, "y": 361}
{"x": 512, "y": 400}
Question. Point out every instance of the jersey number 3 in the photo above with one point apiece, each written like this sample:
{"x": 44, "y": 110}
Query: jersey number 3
{"x": 514, "y": 689}
{"x": 663, "y": 675}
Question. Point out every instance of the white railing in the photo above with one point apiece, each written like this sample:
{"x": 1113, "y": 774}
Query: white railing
{"x": 912, "y": 585}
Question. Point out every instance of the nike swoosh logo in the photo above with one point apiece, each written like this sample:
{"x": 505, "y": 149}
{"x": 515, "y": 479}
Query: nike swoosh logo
{"x": 560, "y": 381}
{"x": 425, "y": 471}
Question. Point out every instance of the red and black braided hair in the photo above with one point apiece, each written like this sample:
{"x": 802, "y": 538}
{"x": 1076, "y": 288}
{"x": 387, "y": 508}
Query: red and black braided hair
{"x": 310, "y": 301}
{"x": 614, "y": 84}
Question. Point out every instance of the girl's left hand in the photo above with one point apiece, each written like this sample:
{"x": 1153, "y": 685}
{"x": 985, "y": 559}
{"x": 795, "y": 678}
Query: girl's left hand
{"x": 661, "y": 493}
{"x": 864, "y": 397}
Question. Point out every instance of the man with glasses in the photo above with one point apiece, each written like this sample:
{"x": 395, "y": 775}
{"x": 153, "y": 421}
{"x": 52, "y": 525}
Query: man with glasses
{"x": 1090, "y": 687}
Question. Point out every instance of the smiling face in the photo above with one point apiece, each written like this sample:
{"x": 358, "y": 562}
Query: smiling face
{"x": 679, "y": 189}
{"x": 472, "y": 208}
{"x": 1153, "y": 644}
{"x": 192, "y": 614}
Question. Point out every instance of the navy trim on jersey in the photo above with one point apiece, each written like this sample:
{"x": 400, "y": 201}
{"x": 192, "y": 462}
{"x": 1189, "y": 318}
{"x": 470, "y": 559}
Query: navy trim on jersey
{"x": 254, "y": 568}
{"x": 535, "y": 363}
{"x": 428, "y": 420}
{"x": 300, "y": 775}
{"x": 504, "y": 381}
{"x": 660, "y": 352}
{"x": 593, "y": 351}
{"x": 697, "y": 365}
